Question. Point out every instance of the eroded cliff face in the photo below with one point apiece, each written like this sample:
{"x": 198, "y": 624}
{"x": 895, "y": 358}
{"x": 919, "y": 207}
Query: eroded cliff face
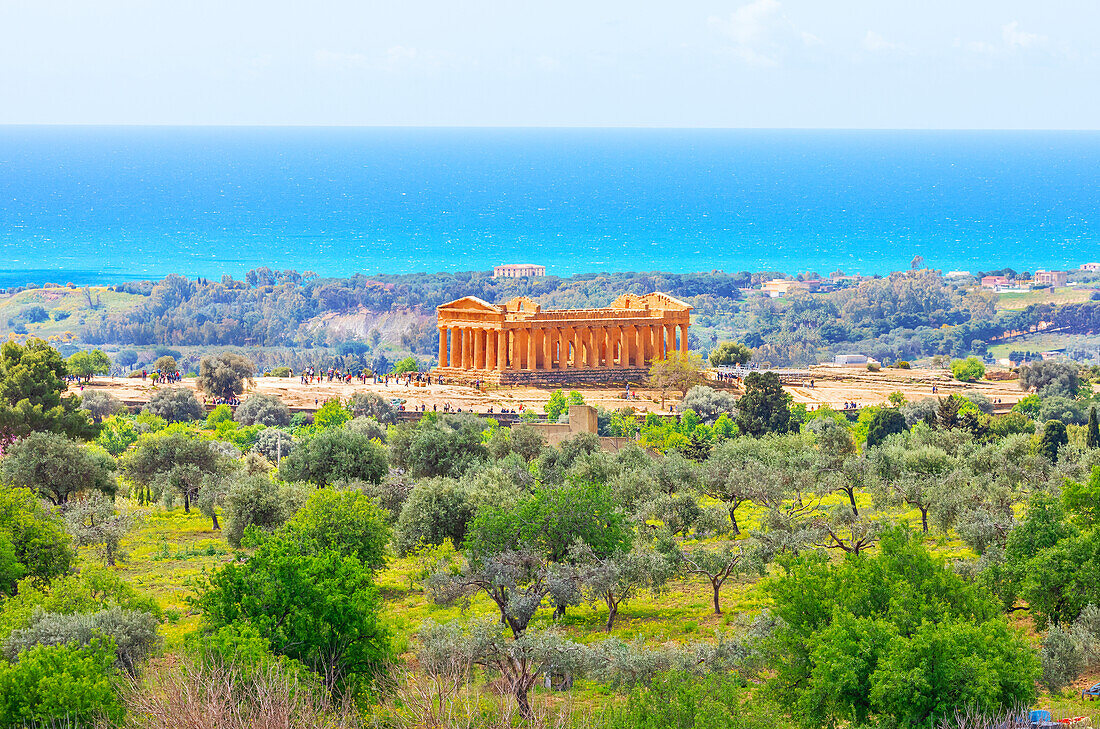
{"x": 395, "y": 327}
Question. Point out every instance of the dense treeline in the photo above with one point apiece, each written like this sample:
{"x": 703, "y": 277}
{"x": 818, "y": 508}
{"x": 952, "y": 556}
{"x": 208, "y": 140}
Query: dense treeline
{"x": 904, "y": 316}
{"x": 269, "y": 309}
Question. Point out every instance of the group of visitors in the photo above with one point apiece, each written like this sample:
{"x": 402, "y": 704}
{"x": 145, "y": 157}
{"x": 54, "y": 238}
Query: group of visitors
{"x": 221, "y": 401}
{"x": 165, "y": 377}
{"x": 851, "y": 406}
{"x": 311, "y": 376}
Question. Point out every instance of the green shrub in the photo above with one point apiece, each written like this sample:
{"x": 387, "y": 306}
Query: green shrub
{"x": 65, "y": 684}
{"x": 970, "y": 369}
{"x": 681, "y": 701}
{"x": 220, "y": 414}
{"x": 851, "y": 636}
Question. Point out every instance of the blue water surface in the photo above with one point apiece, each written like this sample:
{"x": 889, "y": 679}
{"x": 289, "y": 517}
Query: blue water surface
{"x": 108, "y": 204}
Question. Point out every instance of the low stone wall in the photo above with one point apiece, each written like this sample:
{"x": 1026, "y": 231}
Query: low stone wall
{"x": 546, "y": 378}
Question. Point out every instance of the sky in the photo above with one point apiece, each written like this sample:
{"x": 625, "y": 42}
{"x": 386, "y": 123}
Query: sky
{"x": 940, "y": 64}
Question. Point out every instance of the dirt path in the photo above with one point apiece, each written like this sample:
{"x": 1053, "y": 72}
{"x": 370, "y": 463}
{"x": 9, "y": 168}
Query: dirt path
{"x": 297, "y": 395}
{"x": 833, "y": 386}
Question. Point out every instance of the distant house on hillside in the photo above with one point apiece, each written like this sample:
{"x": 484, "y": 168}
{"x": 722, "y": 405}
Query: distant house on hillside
{"x": 1090, "y": 267}
{"x": 994, "y": 282}
{"x": 1050, "y": 278}
{"x": 782, "y": 286}
{"x": 518, "y": 270}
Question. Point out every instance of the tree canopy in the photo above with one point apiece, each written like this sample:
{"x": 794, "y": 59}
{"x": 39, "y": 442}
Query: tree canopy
{"x": 225, "y": 374}
{"x": 765, "y": 407}
{"x": 57, "y": 467}
{"x": 31, "y": 387}
{"x": 852, "y": 635}
{"x": 86, "y": 364}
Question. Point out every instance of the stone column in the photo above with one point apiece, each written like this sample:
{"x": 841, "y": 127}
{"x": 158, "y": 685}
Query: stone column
{"x": 626, "y": 337}
{"x": 490, "y": 349}
{"x": 442, "y": 347}
{"x": 456, "y": 347}
{"x": 577, "y": 361}
{"x": 670, "y": 345}
{"x": 532, "y": 351}
{"x": 479, "y": 349}
{"x": 467, "y": 348}
{"x": 548, "y": 347}
{"x": 683, "y": 338}
{"x": 502, "y": 349}
{"x": 596, "y": 337}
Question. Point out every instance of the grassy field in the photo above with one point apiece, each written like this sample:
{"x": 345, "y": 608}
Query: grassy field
{"x": 1043, "y": 342}
{"x": 1011, "y": 301}
{"x": 170, "y": 549}
{"x": 68, "y": 309}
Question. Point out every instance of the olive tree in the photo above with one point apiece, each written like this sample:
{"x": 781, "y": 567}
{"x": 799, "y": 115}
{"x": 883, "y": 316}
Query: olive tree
{"x": 100, "y": 404}
{"x": 335, "y": 455}
{"x": 1051, "y": 378}
{"x": 176, "y": 405}
{"x": 263, "y": 409}
{"x": 907, "y": 470}
{"x": 57, "y": 467}
{"x": 717, "y": 565}
{"x": 174, "y": 464}
{"x": 93, "y": 522}
{"x": 617, "y": 577}
{"x": 436, "y": 509}
{"x": 225, "y": 374}
{"x": 133, "y": 633}
{"x": 372, "y": 405}
{"x": 709, "y": 404}
{"x": 257, "y": 501}
{"x": 273, "y": 444}
{"x": 166, "y": 364}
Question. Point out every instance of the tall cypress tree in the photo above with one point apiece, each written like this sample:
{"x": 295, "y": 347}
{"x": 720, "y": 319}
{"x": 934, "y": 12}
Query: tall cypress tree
{"x": 1092, "y": 439}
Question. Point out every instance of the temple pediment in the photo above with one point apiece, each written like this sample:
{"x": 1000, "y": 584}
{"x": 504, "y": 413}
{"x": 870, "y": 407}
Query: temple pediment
{"x": 469, "y": 303}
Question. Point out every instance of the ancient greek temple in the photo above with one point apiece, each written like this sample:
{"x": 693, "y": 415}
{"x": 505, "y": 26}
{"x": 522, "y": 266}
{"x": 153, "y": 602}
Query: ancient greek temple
{"x": 518, "y": 342}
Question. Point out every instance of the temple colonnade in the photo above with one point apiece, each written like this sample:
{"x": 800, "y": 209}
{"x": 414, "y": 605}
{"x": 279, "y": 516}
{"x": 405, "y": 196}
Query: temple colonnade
{"x": 547, "y": 347}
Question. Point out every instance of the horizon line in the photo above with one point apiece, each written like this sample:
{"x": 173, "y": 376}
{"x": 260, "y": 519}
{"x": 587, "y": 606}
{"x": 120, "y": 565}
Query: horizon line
{"x": 656, "y": 127}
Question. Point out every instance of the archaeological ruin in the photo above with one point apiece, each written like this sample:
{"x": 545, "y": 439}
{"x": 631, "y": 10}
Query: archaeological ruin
{"x": 520, "y": 343}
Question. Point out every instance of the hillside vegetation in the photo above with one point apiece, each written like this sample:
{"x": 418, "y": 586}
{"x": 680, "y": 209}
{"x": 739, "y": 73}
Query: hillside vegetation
{"x": 745, "y": 562}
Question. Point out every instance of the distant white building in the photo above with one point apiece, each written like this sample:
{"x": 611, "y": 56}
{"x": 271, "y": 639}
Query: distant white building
{"x": 956, "y": 274}
{"x": 518, "y": 270}
{"x": 854, "y": 360}
{"x": 1090, "y": 267}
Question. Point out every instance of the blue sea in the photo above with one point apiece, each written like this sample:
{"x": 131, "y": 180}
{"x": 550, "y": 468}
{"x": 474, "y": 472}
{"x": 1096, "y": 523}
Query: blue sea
{"x": 107, "y": 204}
